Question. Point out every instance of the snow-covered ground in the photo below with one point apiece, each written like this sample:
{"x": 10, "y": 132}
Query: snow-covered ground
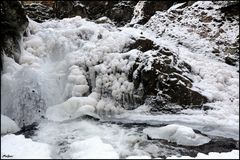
{"x": 19, "y": 147}
{"x": 60, "y": 58}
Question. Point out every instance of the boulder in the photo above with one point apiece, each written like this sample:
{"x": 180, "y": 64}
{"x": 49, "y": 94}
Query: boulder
{"x": 160, "y": 73}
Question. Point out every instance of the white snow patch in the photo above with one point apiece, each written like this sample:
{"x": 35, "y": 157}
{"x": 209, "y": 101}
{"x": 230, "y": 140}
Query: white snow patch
{"x": 182, "y": 135}
{"x": 19, "y": 147}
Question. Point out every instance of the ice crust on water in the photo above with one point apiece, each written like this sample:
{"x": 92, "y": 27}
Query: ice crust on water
{"x": 182, "y": 135}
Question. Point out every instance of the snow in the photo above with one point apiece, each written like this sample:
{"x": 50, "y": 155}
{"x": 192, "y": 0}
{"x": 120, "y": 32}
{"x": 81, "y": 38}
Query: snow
{"x": 234, "y": 154}
{"x": 19, "y": 147}
{"x": 8, "y": 125}
{"x": 137, "y": 13}
{"x": 92, "y": 148}
{"x": 182, "y": 135}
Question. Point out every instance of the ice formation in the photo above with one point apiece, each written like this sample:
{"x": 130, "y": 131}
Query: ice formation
{"x": 182, "y": 135}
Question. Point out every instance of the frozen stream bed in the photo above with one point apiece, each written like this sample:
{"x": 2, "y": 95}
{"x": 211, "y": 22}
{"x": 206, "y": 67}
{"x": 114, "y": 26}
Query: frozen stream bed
{"x": 125, "y": 138}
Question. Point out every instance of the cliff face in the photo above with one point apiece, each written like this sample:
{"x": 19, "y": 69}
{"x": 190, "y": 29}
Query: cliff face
{"x": 13, "y": 24}
{"x": 120, "y": 12}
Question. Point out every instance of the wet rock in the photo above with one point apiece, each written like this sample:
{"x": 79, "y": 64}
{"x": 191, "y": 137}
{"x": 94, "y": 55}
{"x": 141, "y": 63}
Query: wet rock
{"x": 120, "y": 12}
{"x": 13, "y": 24}
{"x": 218, "y": 144}
{"x": 231, "y": 9}
{"x": 150, "y": 7}
{"x": 230, "y": 60}
{"x": 29, "y": 130}
{"x": 143, "y": 44}
{"x": 38, "y": 11}
{"x": 206, "y": 19}
{"x": 215, "y": 50}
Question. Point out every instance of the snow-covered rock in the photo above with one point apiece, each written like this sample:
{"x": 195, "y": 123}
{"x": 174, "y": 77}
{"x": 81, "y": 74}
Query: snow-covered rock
{"x": 8, "y": 125}
{"x": 19, "y": 147}
{"x": 92, "y": 148}
{"x": 182, "y": 135}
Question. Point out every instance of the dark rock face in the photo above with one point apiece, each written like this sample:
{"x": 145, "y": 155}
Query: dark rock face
{"x": 29, "y": 130}
{"x": 13, "y": 23}
{"x": 160, "y": 74}
{"x": 231, "y": 61}
{"x": 150, "y": 7}
{"x": 231, "y": 9}
{"x": 118, "y": 11}
{"x": 143, "y": 45}
{"x": 39, "y": 12}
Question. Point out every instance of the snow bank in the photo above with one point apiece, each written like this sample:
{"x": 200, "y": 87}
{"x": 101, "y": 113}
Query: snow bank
{"x": 234, "y": 154}
{"x": 8, "y": 125}
{"x": 19, "y": 147}
{"x": 176, "y": 133}
{"x": 92, "y": 148}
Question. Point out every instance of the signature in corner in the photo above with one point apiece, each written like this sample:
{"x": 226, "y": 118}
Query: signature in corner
{"x": 7, "y": 156}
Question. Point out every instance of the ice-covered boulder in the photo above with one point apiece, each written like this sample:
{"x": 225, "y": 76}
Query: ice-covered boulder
{"x": 182, "y": 135}
{"x": 72, "y": 108}
{"x": 162, "y": 74}
{"x": 8, "y": 125}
